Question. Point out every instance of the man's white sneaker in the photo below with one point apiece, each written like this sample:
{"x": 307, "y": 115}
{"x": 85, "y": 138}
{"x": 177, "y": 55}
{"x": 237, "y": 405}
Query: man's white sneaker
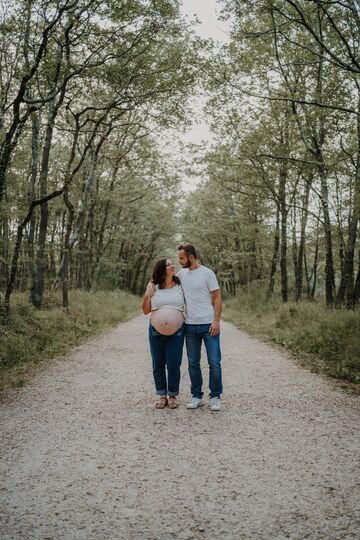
{"x": 194, "y": 403}
{"x": 215, "y": 404}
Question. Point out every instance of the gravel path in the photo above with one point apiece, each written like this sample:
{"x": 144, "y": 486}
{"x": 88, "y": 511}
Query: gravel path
{"x": 85, "y": 455}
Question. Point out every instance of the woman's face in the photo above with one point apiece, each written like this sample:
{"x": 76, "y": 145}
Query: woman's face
{"x": 170, "y": 268}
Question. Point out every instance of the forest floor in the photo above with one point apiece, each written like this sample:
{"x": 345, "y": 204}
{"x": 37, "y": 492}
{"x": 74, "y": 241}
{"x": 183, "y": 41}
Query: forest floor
{"x": 85, "y": 454}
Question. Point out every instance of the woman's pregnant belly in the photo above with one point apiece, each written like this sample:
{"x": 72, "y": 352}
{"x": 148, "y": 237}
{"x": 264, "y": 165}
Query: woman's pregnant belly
{"x": 167, "y": 320}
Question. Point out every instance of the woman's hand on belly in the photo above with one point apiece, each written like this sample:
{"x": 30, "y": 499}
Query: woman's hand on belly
{"x": 167, "y": 320}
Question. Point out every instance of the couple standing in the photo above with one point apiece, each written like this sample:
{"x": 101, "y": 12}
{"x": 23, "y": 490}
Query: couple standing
{"x": 184, "y": 306}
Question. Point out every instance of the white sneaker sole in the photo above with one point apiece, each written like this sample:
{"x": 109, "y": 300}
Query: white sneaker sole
{"x": 190, "y": 407}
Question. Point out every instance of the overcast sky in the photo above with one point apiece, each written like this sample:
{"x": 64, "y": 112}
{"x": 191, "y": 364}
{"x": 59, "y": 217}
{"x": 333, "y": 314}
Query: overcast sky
{"x": 207, "y": 12}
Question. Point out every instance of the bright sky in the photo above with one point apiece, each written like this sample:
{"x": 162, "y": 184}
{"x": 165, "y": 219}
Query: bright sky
{"x": 207, "y": 12}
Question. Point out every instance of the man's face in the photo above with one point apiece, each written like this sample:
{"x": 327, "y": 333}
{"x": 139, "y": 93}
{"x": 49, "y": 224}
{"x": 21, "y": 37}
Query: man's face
{"x": 184, "y": 260}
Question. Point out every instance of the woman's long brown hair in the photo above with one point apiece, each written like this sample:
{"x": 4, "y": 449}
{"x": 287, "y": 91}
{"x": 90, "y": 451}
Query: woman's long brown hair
{"x": 159, "y": 274}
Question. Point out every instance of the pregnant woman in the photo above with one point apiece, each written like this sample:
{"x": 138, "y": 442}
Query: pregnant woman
{"x": 164, "y": 299}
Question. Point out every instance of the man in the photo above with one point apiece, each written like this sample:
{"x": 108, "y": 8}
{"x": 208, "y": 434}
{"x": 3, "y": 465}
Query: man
{"x": 202, "y": 319}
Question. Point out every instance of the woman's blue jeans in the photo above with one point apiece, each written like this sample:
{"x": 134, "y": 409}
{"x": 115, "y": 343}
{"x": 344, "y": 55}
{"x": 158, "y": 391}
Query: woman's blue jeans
{"x": 166, "y": 354}
{"x": 195, "y": 334}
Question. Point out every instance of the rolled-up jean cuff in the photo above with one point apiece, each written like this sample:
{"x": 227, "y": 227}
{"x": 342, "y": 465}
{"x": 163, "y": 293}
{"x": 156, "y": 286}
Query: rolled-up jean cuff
{"x": 173, "y": 394}
{"x": 161, "y": 392}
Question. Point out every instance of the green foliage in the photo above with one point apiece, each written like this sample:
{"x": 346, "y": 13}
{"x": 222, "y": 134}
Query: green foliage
{"x": 326, "y": 340}
{"x": 283, "y": 106}
{"x": 34, "y": 335}
{"x": 103, "y": 81}
{"x": 228, "y": 230}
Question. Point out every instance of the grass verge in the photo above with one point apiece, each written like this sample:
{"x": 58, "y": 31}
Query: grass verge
{"x": 32, "y": 335}
{"x": 328, "y": 341}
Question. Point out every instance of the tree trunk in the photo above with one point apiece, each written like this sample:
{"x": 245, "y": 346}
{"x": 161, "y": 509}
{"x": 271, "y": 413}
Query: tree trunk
{"x": 65, "y": 258}
{"x": 19, "y": 237}
{"x": 283, "y": 235}
{"x": 135, "y": 274}
{"x": 37, "y": 289}
{"x": 301, "y": 251}
{"x": 35, "y": 128}
{"x": 275, "y": 256}
{"x": 307, "y": 277}
{"x": 85, "y": 199}
{"x": 329, "y": 260}
{"x": 104, "y": 221}
{"x": 4, "y": 250}
{"x": 294, "y": 240}
{"x": 357, "y": 285}
{"x": 314, "y": 270}
{"x": 347, "y": 288}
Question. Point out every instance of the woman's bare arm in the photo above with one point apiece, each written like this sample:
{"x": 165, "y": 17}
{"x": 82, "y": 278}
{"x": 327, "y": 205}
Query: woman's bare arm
{"x": 146, "y": 303}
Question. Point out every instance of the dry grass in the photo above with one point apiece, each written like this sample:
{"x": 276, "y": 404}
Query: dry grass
{"x": 326, "y": 340}
{"x": 32, "y": 335}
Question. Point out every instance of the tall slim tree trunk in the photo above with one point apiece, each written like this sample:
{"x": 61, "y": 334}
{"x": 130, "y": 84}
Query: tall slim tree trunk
{"x": 329, "y": 260}
{"x": 35, "y": 129}
{"x": 294, "y": 245}
{"x": 283, "y": 235}
{"x": 4, "y": 248}
{"x": 307, "y": 277}
{"x": 135, "y": 274}
{"x": 347, "y": 286}
{"x": 37, "y": 289}
{"x": 100, "y": 243}
{"x": 275, "y": 256}
{"x": 66, "y": 252}
{"x": 315, "y": 268}
{"x": 52, "y": 247}
{"x": 89, "y": 270}
{"x": 301, "y": 251}
{"x": 357, "y": 285}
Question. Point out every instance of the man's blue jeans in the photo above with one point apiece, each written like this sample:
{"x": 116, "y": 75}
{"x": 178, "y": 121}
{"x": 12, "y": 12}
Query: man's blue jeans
{"x": 195, "y": 334}
{"x": 166, "y": 353}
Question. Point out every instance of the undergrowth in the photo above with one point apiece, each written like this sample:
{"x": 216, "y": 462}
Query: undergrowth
{"x": 328, "y": 340}
{"x": 31, "y": 335}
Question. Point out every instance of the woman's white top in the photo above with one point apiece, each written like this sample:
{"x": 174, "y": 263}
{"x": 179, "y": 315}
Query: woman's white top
{"x": 168, "y": 298}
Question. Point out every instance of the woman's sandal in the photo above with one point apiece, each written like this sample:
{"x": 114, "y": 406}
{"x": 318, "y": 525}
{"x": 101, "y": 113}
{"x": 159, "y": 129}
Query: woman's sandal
{"x": 172, "y": 403}
{"x": 161, "y": 404}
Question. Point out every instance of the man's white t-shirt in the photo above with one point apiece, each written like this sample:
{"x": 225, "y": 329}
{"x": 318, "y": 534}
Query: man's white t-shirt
{"x": 197, "y": 285}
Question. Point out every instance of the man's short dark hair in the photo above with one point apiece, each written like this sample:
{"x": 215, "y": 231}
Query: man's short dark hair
{"x": 189, "y": 249}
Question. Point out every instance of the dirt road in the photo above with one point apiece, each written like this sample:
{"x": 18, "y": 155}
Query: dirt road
{"x": 85, "y": 455}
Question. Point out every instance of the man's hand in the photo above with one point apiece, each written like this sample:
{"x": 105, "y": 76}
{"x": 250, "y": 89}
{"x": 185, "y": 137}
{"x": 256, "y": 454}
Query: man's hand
{"x": 217, "y": 303}
{"x": 214, "y": 328}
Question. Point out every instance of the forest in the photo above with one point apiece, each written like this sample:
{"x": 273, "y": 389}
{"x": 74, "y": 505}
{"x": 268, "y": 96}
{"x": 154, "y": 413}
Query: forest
{"x": 285, "y": 171}
{"x": 90, "y": 194}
